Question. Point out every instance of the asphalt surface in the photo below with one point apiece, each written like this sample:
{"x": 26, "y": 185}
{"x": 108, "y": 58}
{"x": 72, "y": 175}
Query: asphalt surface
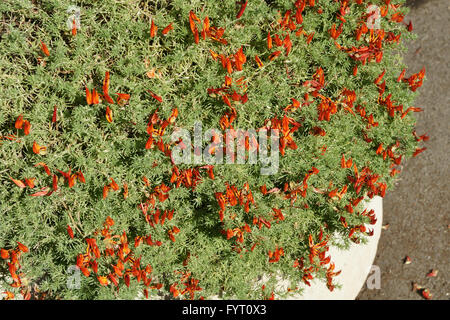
{"x": 417, "y": 210}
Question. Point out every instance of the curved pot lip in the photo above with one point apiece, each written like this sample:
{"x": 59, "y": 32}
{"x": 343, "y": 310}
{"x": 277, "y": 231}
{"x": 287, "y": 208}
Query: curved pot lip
{"x": 355, "y": 264}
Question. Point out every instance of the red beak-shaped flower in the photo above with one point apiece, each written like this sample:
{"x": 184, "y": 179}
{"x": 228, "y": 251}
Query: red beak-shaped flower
{"x": 106, "y": 88}
{"x": 167, "y": 29}
{"x": 242, "y": 9}
{"x": 109, "y": 115}
{"x": 45, "y": 49}
{"x": 153, "y": 29}
{"x": 19, "y": 122}
{"x": 38, "y": 149}
{"x": 74, "y": 28}
{"x": 156, "y": 97}
{"x": 70, "y": 232}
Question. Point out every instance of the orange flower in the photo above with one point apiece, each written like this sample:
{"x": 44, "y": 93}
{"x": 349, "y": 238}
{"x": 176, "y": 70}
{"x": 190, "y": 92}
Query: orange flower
{"x": 274, "y": 55}
{"x": 95, "y": 97}
{"x": 122, "y": 99}
{"x": 103, "y": 280}
{"x": 192, "y": 19}
{"x": 287, "y": 44}
{"x": 47, "y": 170}
{"x": 30, "y": 182}
{"x": 80, "y": 177}
{"x": 114, "y": 185}
{"x": 259, "y": 62}
{"x": 26, "y": 127}
{"x": 432, "y": 273}
{"x": 401, "y": 76}
{"x": 19, "y": 183}
{"x": 269, "y": 41}
{"x": 39, "y": 149}
{"x": 156, "y": 97}
{"x": 426, "y": 294}
{"x": 242, "y": 9}
{"x": 45, "y": 49}
{"x": 153, "y": 29}
{"x": 22, "y": 247}
{"x": 173, "y": 115}
{"x": 171, "y": 233}
{"x": 310, "y": 37}
{"x": 105, "y": 191}
{"x": 55, "y": 110}
{"x": 335, "y": 33}
{"x": 113, "y": 279}
{"x": 9, "y": 295}
{"x": 167, "y": 29}
{"x": 4, "y": 253}
{"x": 19, "y": 122}
{"x": 109, "y": 115}
{"x": 71, "y": 180}
{"x": 74, "y": 28}
{"x": 275, "y": 256}
{"x": 44, "y": 192}
{"x": 123, "y": 96}
{"x": 206, "y": 29}
{"x": 418, "y": 150}
{"x": 70, "y": 231}
{"x": 125, "y": 190}
{"x": 147, "y": 183}
{"x": 88, "y": 96}
{"x": 106, "y": 89}
{"x": 92, "y": 98}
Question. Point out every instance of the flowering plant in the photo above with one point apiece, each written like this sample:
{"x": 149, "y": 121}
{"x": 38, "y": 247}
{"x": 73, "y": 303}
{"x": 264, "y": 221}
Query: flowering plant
{"x": 95, "y": 202}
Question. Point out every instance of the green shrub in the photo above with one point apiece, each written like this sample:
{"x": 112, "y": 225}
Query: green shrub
{"x": 193, "y": 229}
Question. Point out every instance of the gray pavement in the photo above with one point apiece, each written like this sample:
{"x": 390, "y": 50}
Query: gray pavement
{"x": 417, "y": 210}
